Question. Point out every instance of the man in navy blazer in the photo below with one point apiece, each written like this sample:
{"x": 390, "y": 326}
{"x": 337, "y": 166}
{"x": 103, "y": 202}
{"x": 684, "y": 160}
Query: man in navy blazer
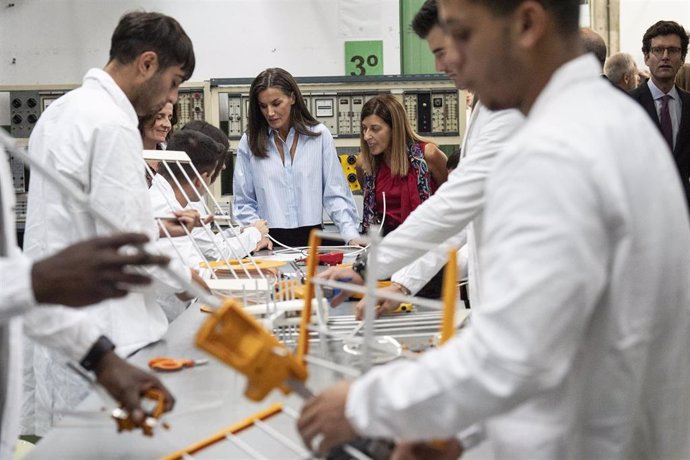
{"x": 665, "y": 45}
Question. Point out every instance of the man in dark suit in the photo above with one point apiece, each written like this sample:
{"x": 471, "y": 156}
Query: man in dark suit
{"x": 665, "y": 45}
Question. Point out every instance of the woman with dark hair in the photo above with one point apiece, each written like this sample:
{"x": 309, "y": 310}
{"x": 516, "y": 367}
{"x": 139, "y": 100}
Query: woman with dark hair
{"x": 287, "y": 170}
{"x": 156, "y": 129}
{"x": 394, "y": 161}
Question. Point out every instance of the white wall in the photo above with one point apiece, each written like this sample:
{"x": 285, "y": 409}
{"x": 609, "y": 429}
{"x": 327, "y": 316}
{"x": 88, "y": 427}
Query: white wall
{"x": 638, "y": 15}
{"x": 56, "y": 41}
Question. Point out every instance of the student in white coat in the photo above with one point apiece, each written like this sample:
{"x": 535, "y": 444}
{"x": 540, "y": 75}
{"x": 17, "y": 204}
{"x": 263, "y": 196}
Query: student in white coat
{"x": 167, "y": 197}
{"x": 579, "y": 349}
{"x": 76, "y": 276}
{"x": 454, "y": 213}
{"x": 90, "y": 136}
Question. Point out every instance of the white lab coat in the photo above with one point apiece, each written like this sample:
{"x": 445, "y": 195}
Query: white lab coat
{"x": 580, "y": 347}
{"x": 456, "y": 205}
{"x": 90, "y": 137}
{"x": 16, "y": 298}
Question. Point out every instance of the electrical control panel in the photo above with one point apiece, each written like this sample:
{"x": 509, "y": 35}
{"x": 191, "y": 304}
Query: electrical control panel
{"x": 27, "y": 103}
{"x": 26, "y": 106}
{"x": 190, "y": 106}
{"x": 431, "y": 102}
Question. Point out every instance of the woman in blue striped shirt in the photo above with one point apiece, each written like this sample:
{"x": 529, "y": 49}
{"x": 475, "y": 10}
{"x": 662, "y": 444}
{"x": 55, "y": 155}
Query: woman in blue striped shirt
{"x": 287, "y": 170}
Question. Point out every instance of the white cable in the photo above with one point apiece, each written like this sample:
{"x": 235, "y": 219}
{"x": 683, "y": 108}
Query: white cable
{"x": 383, "y": 219}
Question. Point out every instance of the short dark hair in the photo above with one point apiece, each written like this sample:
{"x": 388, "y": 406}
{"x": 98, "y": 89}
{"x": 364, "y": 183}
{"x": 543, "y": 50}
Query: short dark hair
{"x": 565, "y": 12}
{"x": 665, "y": 28}
{"x": 202, "y": 150}
{"x": 425, "y": 19}
{"x": 256, "y": 123}
{"x": 138, "y": 32}
{"x": 217, "y": 135}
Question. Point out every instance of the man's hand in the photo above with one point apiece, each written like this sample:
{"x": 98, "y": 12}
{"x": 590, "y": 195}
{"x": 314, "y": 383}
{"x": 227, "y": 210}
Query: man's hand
{"x": 91, "y": 271}
{"x": 261, "y": 225}
{"x": 450, "y": 449}
{"x": 322, "y": 423}
{"x": 186, "y": 219}
{"x": 127, "y": 384}
{"x": 264, "y": 243}
{"x": 357, "y": 242}
{"x": 346, "y": 274}
{"x": 383, "y": 306}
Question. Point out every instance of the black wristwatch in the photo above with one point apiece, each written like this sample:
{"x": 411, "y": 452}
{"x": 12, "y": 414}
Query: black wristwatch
{"x": 102, "y": 346}
{"x": 360, "y": 265}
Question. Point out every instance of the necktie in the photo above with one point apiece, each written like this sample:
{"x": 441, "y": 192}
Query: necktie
{"x": 665, "y": 118}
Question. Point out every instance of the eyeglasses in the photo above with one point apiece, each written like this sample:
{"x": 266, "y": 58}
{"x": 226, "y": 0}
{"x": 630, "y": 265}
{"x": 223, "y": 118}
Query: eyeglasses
{"x": 658, "y": 51}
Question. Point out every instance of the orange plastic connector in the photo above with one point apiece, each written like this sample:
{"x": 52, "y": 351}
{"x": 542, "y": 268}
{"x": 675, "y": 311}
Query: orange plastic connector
{"x": 237, "y": 339}
{"x": 124, "y": 420}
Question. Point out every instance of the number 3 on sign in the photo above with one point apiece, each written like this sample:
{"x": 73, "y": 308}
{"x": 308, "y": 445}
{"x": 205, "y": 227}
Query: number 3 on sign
{"x": 364, "y": 57}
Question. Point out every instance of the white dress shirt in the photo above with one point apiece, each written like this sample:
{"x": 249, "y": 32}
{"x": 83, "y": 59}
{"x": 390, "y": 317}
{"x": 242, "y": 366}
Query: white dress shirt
{"x": 296, "y": 193}
{"x": 90, "y": 137}
{"x": 457, "y": 204}
{"x": 580, "y": 347}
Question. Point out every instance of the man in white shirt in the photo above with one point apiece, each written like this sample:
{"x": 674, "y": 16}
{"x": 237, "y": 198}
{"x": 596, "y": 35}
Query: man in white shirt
{"x": 81, "y": 274}
{"x": 579, "y": 349}
{"x": 90, "y": 137}
{"x": 457, "y": 205}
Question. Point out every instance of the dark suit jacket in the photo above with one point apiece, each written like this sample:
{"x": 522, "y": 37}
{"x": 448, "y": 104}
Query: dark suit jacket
{"x": 681, "y": 153}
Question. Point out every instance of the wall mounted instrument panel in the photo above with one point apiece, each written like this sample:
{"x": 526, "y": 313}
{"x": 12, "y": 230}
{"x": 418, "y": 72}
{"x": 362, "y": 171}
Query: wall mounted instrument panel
{"x": 190, "y": 106}
{"x": 27, "y": 103}
{"x": 432, "y": 103}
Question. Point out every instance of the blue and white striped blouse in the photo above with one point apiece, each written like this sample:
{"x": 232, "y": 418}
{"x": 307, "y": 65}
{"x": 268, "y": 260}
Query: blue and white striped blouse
{"x": 294, "y": 194}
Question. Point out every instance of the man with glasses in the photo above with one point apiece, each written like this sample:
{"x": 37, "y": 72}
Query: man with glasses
{"x": 665, "y": 45}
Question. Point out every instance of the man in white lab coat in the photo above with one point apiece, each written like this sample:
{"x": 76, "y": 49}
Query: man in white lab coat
{"x": 90, "y": 137}
{"x": 82, "y": 274}
{"x": 579, "y": 349}
{"x": 458, "y": 203}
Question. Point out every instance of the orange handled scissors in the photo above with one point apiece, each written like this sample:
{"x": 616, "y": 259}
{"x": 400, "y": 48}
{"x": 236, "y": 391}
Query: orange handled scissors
{"x": 172, "y": 364}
